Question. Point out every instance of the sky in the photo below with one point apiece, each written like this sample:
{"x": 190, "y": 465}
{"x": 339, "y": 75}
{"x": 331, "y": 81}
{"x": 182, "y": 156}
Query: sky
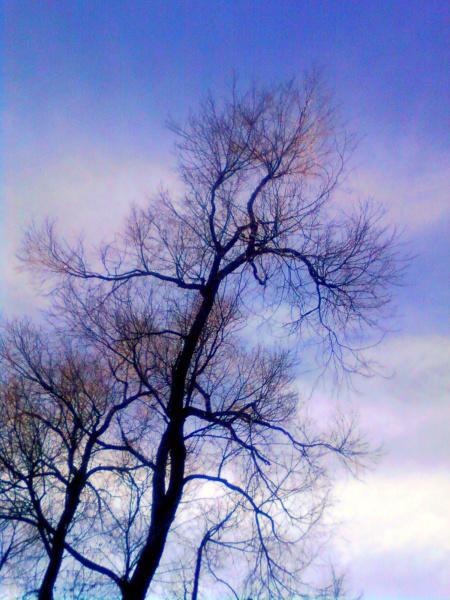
{"x": 87, "y": 88}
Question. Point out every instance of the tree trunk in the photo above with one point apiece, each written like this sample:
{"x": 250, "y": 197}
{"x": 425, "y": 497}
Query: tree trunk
{"x": 164, "y": 508}
{"x": 59, "y": 537}
{"x": 48, "y": 583}
{"x": 165, "y": 504}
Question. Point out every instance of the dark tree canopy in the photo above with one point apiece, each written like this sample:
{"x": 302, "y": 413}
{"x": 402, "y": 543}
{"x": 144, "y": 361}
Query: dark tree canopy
{"x": 146, "y": 445}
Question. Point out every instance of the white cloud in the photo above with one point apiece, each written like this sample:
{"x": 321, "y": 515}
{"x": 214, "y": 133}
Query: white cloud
{"x": 399, "y": 512}
{"x": 396, "y": 532}
{"x": 394, "y": 523}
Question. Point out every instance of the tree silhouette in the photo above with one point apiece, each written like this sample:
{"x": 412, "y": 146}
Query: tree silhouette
{"x": 207, "y": 446}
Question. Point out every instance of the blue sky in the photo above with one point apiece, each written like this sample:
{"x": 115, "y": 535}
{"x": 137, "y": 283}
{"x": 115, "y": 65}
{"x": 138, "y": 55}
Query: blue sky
{"x": 87, "y": 87}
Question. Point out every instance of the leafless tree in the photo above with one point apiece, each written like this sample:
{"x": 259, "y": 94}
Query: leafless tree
{"x": 218, "y": 431}
{"x": 57, "y": 401}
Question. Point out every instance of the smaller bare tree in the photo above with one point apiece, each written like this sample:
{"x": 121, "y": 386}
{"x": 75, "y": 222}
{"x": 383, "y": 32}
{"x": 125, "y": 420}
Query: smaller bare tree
{"x": 57, "y": 401}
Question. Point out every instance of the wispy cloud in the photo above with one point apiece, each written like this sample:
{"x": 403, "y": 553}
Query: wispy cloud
{"x": 86, "y": 194}
{"x": 395, "y": 524}
{"x": 397, "y": 532}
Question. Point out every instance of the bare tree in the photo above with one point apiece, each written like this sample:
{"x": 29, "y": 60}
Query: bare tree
{"x": 219, "y": 432}
{"x": 57, "y": 402}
